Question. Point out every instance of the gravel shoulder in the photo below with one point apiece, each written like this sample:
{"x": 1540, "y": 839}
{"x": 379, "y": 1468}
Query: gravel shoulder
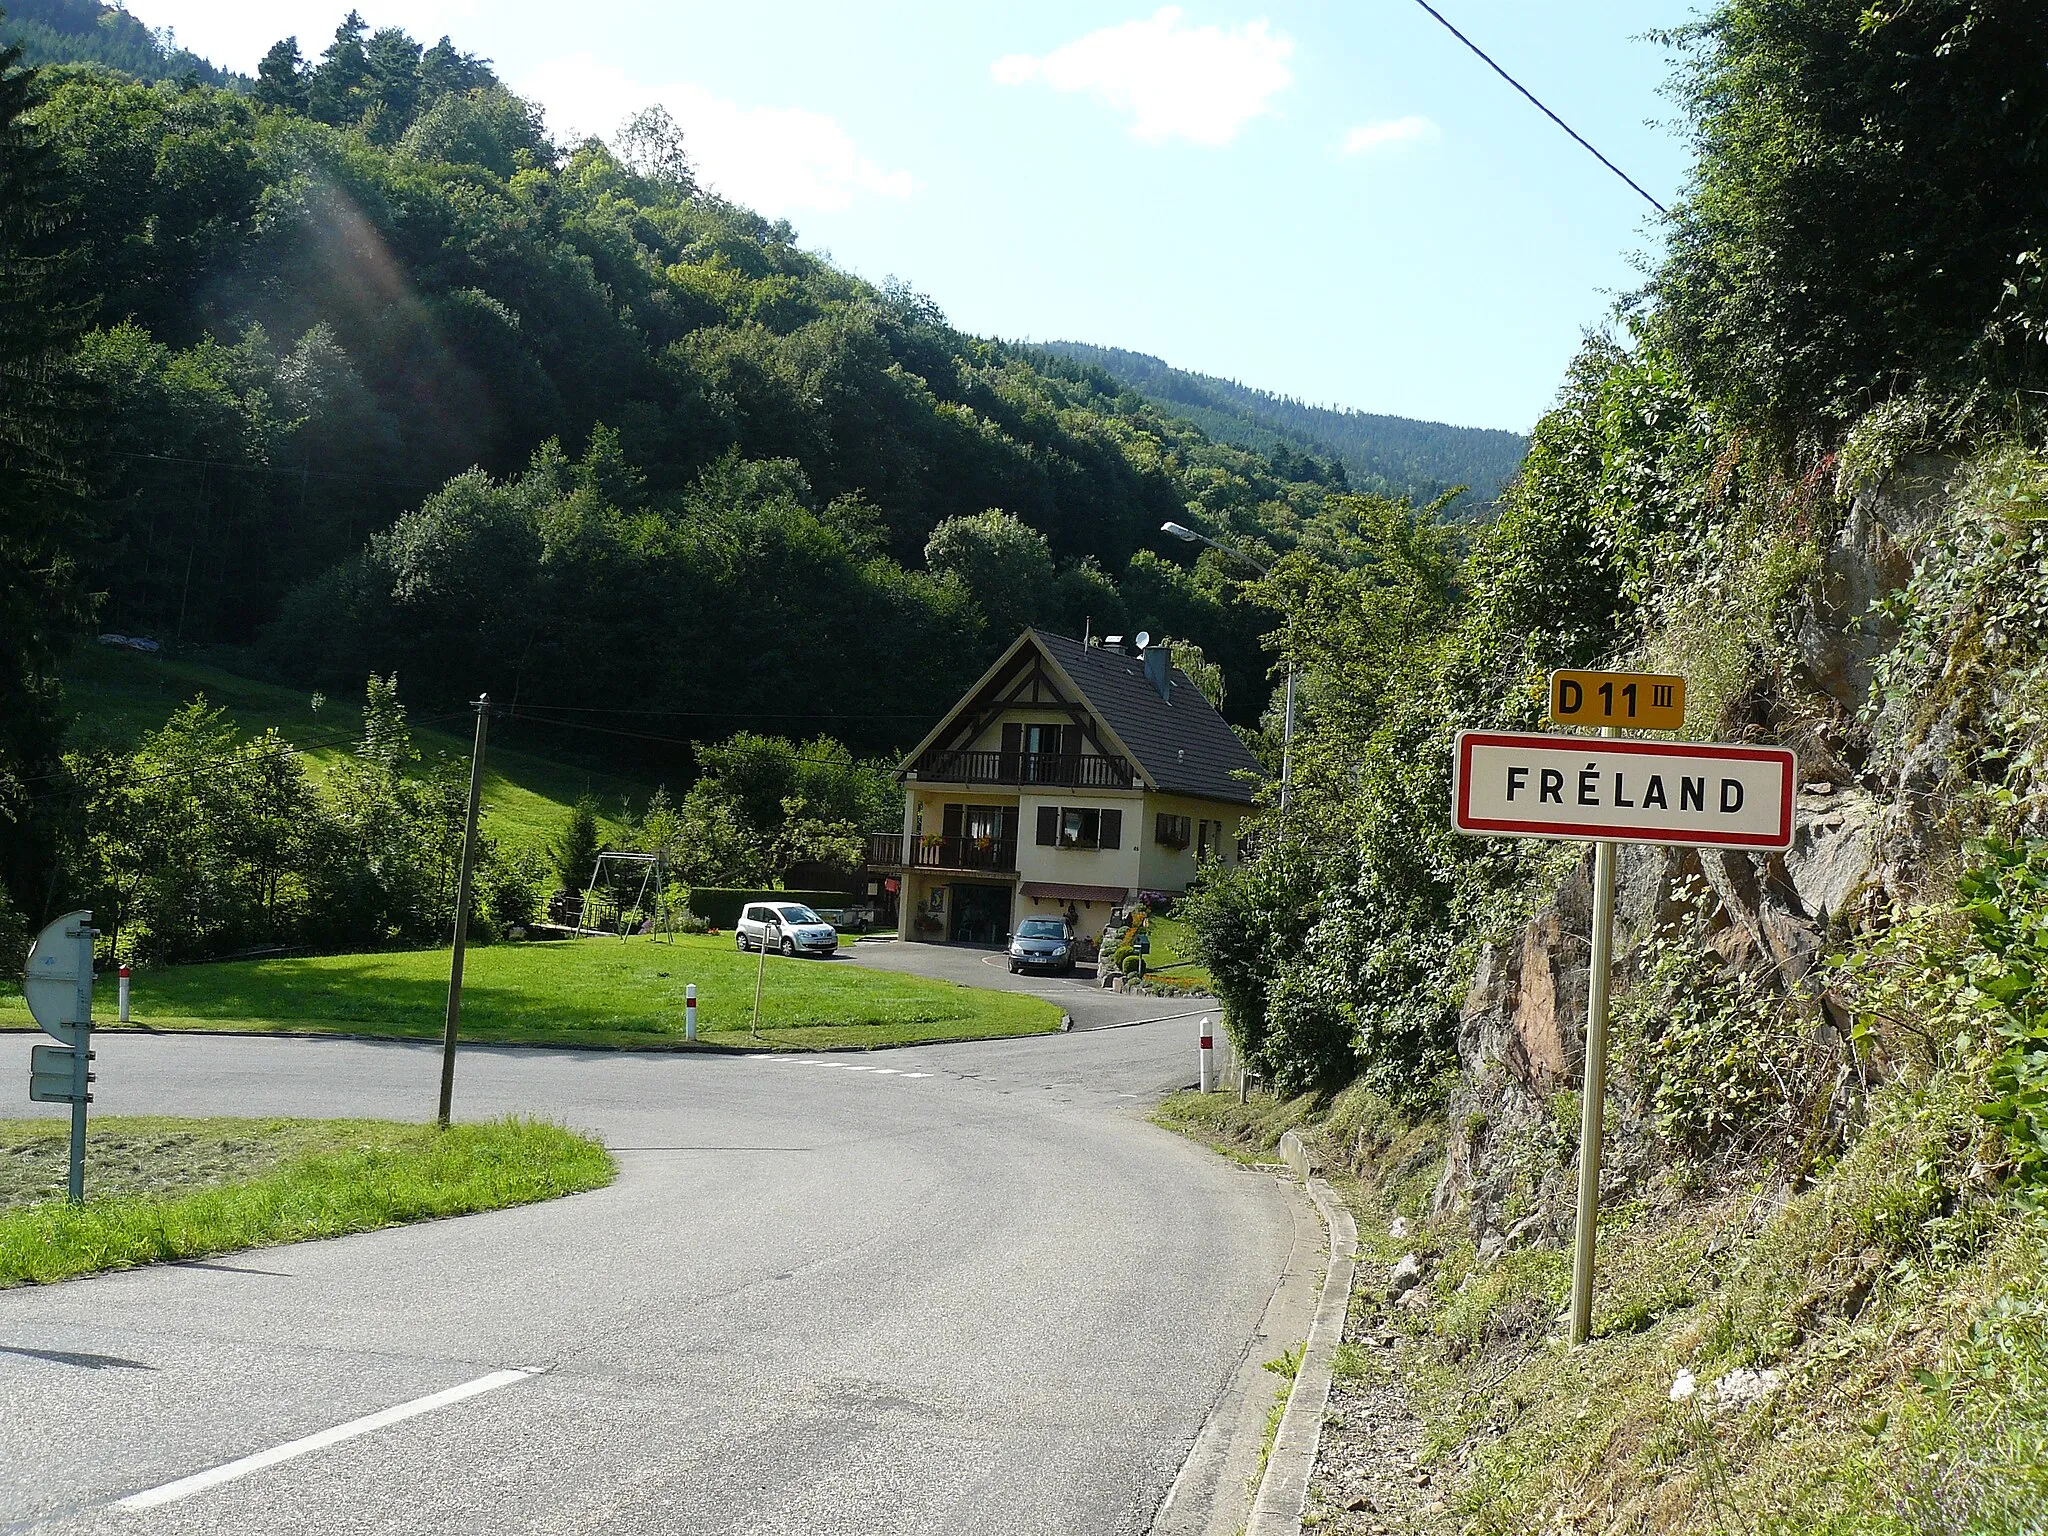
{"x": 1369, "y": 1479}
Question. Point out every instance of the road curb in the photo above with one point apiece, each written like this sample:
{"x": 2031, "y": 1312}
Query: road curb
{"x": 1283, "y": 1491}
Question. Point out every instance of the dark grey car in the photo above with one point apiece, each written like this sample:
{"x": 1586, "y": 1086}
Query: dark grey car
{"x": 1042, "y": 944}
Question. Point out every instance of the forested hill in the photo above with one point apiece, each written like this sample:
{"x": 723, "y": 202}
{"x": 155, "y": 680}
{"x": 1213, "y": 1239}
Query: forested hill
{"x": 1386, "y": 455}
{"x": 381, "y": 376}
{"x": 88, "y": 32}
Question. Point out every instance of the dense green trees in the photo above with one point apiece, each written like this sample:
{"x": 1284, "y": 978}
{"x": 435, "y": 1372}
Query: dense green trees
{"x": 43, "y": 524}
{"x": 1861, "y": 227}
{"x": 1356, "y": 450}
{"x": 88, "y": 31}
{"x": 768, "y": 808}
{"x": 1867, "y": 210}
{"x": 202, "y": 842}
{"x": 341, "y": 316}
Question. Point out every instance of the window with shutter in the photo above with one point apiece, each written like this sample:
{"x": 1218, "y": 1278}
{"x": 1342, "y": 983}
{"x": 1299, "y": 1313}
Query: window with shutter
{"x": 1048, "y": 826}
{"x": 1112, "y": 829}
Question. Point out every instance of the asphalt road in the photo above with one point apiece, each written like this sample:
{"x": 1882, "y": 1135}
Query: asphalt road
{"x": 1080, "y": 995}
{"x": 991, "y": 1299}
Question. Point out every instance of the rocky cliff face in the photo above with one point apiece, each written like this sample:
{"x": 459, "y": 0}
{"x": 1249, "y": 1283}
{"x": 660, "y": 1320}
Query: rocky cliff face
{"x": 1865, "y": 835}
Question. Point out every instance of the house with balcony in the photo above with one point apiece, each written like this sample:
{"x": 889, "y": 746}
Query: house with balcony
{"x": 1070, "y": 778}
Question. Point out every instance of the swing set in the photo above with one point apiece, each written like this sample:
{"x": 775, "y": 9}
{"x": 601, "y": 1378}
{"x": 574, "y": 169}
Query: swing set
{"x": 605, "y": 912}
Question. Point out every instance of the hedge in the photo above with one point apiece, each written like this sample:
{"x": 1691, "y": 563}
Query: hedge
{"x": 720, "y": 905}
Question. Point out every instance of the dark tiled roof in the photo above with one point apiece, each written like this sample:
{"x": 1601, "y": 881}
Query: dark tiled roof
{"x": 1183, "y": 745}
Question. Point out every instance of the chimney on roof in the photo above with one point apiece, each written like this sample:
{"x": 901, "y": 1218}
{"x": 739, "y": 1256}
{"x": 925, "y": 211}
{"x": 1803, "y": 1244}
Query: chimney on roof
{"x": 1159, "y": 670}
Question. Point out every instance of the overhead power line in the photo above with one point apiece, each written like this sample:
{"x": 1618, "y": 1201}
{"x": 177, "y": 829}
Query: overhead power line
{"x": 716, "y": 714}
{"x": 1567, "y": 127}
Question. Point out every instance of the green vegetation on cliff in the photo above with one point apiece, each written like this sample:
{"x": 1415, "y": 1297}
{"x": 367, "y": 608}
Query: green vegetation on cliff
{"x": 1806, "y": 468}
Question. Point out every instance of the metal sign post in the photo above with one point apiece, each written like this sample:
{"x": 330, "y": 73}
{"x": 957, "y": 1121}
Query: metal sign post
{"x": 58, "y": 987}
{"x": 1608, "y": 792}
{"x": 1593, "y": 1093}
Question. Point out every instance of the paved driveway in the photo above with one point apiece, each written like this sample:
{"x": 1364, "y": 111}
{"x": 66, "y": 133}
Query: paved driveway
{"x": 1091, "y": 1006}
{"x": 963, "y": 1289}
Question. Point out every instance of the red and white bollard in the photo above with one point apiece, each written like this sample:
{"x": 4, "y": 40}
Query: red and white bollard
{"x": 1208, "y": 1056}
{"x": 690, "y": 1013}
{"x": 124, "y": 994}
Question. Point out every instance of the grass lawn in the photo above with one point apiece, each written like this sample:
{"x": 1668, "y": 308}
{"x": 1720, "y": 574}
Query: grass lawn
{"x": 600, "y": 992}
{"x": 161, "y": 1188}
{"x": 115, "y": 696}
{"x": 1173, "y": 944}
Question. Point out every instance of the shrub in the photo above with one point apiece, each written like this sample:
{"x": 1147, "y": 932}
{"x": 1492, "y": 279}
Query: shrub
{"x": 508, "y": 888}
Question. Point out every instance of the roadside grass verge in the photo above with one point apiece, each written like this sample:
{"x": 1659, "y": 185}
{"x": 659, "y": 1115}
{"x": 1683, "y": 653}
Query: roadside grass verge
{"x": 610, "y": 993}
{"x": 115, "y": 696}
{"x": 163, "y": 1189}
{"x": 1859, "y": 1348}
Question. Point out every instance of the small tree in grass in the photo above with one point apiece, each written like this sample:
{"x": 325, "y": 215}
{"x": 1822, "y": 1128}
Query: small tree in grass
{"x": 576, "y": 849}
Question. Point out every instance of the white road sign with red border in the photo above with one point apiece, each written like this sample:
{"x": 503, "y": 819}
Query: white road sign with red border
{"x": 1591, "y": 788}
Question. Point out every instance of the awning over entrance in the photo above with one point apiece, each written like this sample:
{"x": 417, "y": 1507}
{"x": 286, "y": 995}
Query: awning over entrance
{"x": 1053, "y": 891}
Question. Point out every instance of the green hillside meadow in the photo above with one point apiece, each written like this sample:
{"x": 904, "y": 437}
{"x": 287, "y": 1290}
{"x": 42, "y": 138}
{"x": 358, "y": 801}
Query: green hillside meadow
{"x": 116, "y": 695}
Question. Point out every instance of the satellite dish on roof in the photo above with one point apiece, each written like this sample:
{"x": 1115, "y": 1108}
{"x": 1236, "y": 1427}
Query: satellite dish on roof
{"x": 1144, "y": 638}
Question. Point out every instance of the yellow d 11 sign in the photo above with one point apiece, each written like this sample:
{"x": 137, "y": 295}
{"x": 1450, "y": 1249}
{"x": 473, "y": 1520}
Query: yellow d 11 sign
{"x": 1642, "y": 701}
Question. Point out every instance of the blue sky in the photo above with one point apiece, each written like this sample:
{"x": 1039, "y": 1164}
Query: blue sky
{"x": 1330, "y": 200}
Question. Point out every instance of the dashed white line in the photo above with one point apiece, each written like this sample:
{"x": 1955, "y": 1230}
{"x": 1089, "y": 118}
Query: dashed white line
{"x": 228, "y": 1471}
{"x": 847, "y": 1066}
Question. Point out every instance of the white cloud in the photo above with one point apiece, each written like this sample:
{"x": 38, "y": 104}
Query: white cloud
{"x": 1393, "y": 134}
{"x": 779, "y": 160}
{"x": 1201, "y": 84}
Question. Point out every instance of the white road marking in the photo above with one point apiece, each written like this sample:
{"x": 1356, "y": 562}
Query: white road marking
{"x": 818, "y": 1061}
{"x": 227, "y": 1472}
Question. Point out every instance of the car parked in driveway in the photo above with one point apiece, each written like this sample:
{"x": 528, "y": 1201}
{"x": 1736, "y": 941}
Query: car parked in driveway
{"x": 1042, "y": 944}
{"x": 785, "y": 925}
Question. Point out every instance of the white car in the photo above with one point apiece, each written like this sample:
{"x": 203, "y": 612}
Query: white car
{"x": 787, "y": 926}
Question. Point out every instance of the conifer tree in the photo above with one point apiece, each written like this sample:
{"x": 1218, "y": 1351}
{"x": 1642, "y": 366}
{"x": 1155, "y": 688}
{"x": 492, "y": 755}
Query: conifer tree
{"x": 281, "y": 77}
{"x": 338, "y": 87}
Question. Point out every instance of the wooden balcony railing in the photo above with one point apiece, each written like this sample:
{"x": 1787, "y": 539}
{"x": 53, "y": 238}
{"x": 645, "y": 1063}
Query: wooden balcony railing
{"x": 1083, "y": 771}
{"x": 892, "y": 850}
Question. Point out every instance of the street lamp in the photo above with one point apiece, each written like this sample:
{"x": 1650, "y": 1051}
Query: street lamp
{"x": 1188, "y": 535}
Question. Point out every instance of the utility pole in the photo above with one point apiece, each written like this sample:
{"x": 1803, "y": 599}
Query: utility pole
{"x": 1287, "y": 743}
{"x": 462, "y": 884}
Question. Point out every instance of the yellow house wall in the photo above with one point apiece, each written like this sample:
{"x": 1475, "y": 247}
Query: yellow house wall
{"x": 1079, "y": 866}
{"x": 1163, "y": 869}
